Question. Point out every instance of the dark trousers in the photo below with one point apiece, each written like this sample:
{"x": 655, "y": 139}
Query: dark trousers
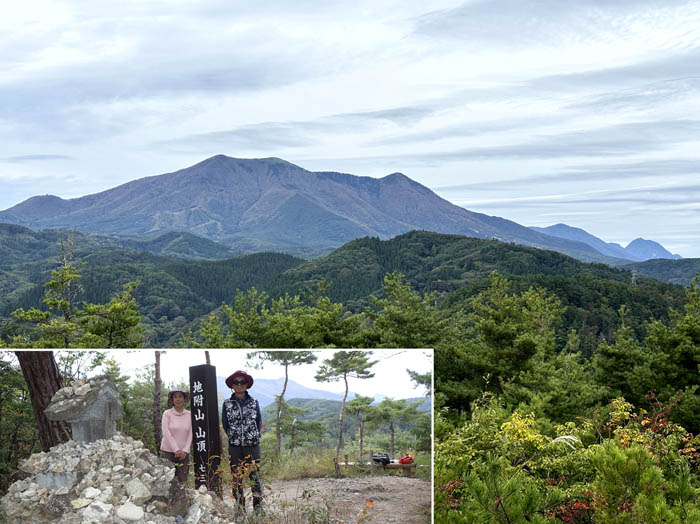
{"x": 182, "y": 467}
{"x": 245, "y": 460}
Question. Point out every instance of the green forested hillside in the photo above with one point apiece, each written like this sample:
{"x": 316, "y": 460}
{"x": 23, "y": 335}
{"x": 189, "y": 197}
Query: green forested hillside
{"x": 326, "y": 412}
{"x": 432, "y": 262}
{"x": 27, "y": 256}
{"x": 319, "y": 409}
{"x": 681, "y": 271}
{"x": 19, "y": 244}
{"x": 171, "y": 292}
{"x": 174, "y": 292}
{"x": 457, "y": 267}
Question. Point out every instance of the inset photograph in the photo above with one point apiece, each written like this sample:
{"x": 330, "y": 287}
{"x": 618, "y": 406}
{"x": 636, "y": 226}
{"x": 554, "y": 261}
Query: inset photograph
{"x": 216, "y": 436}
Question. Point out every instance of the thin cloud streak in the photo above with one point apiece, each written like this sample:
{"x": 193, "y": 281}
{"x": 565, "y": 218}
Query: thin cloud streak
{"x": 33, "y": 158}
{"x": 272, "y": 135}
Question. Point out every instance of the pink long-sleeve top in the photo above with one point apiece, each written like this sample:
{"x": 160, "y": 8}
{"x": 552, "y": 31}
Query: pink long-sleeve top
{"x": 177, "y": 431}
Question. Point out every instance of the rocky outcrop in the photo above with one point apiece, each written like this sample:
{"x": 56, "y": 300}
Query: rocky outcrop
{"x": 111, "y": 480}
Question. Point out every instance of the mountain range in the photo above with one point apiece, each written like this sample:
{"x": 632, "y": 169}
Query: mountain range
{"x": 265, "y": 389}
{"x": 253, "y": 205}
{"x": 638, "y": 250}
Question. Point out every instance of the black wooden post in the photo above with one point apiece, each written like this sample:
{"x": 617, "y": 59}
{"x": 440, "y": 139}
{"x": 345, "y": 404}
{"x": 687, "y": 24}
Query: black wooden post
{"x": 206, "y": 441}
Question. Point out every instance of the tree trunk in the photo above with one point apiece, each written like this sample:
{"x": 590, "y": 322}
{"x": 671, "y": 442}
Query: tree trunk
{"x": 11, "y": 448}
{"x": 43, "y": 380}
{"x": 340, "y": 420}
{"x": 208, "y": 358}
{"x": 362, "y": 431}
{"x": 278, "y": 423}
{"x": 391, "y": 428}
{"x": 157, "y": 436}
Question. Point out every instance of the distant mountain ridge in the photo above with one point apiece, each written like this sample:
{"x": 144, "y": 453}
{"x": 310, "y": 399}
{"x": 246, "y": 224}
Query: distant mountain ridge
{"x": 20, "y": 244}
{"x": 431, "y": 262}
{"x": 322, "y": 407}
{"x": 265, "y": 389}
{"x": 681, "y": 272}
{"x": 637, "y": 251}
{"x": 269, "y": 204}
{"x": 648, "y": 250}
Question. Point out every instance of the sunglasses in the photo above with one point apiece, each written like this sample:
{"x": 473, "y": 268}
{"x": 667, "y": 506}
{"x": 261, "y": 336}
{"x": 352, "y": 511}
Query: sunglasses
{"x": 239, "y": 382}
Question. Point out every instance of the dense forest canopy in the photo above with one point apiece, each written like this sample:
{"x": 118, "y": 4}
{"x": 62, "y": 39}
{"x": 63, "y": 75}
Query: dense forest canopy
{"x": 173, "y": 294}
{"x": 564, "y": 391}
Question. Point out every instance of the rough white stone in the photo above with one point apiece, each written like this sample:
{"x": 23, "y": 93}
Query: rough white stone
{"x": 130, "y": 512}
{"x": 91, "y": 493}
{"x": 98, "y": 512}
{"x": 81, "y": 390}
{"x": 80, "y": 503}
{"x": 194, "y": 514}
{"x": 57, "y": 479}
{"x": 106, "y": 495}
{"x": 138, "y": 491}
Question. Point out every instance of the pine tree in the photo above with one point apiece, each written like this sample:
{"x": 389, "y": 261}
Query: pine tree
{"x": 360, "y": 407}
{"x": 344, "y": 365}
{"x": 307, "y": 321}
{"x": 286, "y": 359}
{"x": 392, "y": 412}
{"x": 298, "y": 431}
{"x": 496, "y": 342}
{"x": 111, "y": 325}
{"x": 403, "y": 319}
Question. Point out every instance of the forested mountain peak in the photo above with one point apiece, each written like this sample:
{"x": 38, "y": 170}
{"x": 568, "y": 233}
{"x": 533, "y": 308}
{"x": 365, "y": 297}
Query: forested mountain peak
{"x": 432, "y": 262}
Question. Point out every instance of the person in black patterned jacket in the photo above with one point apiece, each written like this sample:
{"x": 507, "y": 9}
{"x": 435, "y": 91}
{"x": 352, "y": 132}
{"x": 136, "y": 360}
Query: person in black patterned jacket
{"x": 242, "y": 422}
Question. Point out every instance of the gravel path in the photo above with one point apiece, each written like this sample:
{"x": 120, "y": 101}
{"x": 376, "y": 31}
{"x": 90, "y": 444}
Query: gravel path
{"x": 376, "y": 499}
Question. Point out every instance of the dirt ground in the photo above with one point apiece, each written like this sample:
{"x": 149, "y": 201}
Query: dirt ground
{"x": 376, "y": 499}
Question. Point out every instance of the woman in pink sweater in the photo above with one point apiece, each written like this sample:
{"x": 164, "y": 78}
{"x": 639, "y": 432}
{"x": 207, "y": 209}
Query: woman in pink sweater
{"x": 177, "y": 433}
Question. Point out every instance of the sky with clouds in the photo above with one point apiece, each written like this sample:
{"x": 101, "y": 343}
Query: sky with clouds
{"x": 390, "y": 376}
{"x": 539, "y": 111}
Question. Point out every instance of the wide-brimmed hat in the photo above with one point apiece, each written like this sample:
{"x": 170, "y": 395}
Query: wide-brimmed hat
{"x": 240, "y": 373}
{"x": 185, "y": 394}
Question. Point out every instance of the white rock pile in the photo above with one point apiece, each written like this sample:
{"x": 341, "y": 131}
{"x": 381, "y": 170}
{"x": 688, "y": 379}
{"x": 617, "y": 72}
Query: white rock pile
{"x": 111, "y": 480}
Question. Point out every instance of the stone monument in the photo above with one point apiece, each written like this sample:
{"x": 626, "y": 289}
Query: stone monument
{"x": 91, "y": 407}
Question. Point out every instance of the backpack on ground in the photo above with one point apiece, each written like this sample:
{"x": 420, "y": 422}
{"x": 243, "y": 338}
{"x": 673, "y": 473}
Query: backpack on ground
{"x": 382, "y": 458}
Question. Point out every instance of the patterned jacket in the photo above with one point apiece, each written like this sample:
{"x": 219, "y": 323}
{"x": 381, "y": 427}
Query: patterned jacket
{"x": 241, "y": 425}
